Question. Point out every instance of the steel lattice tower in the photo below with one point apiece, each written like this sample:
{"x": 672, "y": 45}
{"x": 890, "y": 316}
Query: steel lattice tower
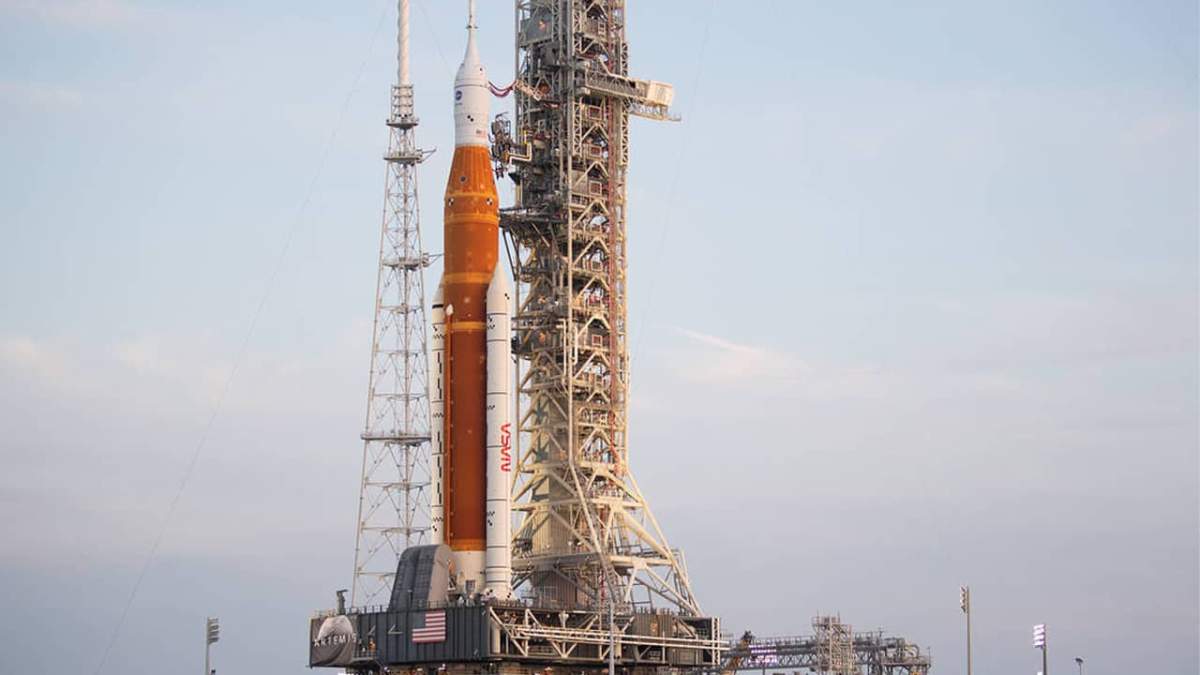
{"x": 393, "y": 509}
{"x": 587, "y": 534}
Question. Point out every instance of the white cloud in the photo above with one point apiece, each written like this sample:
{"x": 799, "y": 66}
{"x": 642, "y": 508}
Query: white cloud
{"x": 38, "y": 95}
{"x": 102, "y": 15}
{"x": 172, "y": 375}
{"x": 1049, "y": 360}
{"x": 79, "y": 13}
{"x": 175, "y": 366}
{"x": 143, "y": 405}
{"x": 143, "y": 356}
{"x": 24, "y": 354}
{"x": 723, "y": 361}
{"x": 706, "y": 372}
{"x": 1152, "y": 129}
{"x": 19, "y": 350}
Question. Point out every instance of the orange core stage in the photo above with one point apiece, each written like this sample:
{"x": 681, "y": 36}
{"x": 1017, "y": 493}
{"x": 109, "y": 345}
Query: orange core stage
{"x": 471, "y": 234}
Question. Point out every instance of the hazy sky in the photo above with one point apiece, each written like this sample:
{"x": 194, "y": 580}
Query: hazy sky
{"x": 914, "y": 304}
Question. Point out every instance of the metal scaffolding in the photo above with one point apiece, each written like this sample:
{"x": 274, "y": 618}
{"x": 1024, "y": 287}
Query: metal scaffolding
{"x": 587, "y": 537}
{"x": 833, "y": 649}
{"x": 393, "y": 508}
{"x": 835, "y": 645}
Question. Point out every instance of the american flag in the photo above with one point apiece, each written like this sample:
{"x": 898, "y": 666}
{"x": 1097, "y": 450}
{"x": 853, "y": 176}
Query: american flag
{"x": 434, "y": 630}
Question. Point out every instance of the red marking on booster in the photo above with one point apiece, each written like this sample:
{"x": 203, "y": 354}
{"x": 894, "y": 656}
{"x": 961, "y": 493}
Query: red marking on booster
{"x": 505, "y": 446}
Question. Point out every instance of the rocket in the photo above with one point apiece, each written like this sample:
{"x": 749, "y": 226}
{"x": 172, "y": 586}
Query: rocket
{"x": 471, "y": 356}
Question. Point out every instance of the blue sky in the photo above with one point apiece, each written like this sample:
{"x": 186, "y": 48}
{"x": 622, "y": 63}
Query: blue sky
{"x": 913, "y": 298}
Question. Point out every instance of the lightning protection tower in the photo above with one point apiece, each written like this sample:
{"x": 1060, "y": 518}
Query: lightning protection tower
{"x": 587, "y": 538}
{"x": 392, "y": 507}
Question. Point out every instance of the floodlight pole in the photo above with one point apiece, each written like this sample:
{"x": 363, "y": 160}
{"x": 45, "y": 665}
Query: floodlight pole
{"x": 968, "y": 641}
{"x": 212, "y": 633}
{"x": 964, "y": 601}
{"x": 1040, "y": 641}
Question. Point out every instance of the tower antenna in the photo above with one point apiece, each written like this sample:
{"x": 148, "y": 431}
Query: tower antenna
{"x": 392, "y": 506}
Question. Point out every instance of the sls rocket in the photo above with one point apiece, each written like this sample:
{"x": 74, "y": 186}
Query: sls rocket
{"x": 470, "y": 356}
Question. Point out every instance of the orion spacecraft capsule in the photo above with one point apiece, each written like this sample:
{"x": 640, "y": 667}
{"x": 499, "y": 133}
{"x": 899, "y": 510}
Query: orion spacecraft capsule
{"x": 470, "y": 356}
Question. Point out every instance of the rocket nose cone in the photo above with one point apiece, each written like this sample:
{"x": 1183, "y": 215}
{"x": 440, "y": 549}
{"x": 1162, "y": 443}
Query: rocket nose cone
{"x": 439, "y": 294}
{"x": 471, "y": 70}
{"x": 471, "y": 95}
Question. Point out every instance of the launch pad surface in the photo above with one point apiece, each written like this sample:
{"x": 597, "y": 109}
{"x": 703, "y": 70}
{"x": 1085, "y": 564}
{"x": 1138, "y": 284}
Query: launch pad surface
{"x": 512, "y": 636}
{"x": 515, "y": 637}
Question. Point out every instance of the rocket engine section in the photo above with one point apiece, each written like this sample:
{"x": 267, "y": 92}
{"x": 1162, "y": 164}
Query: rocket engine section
{"x": 470, "y": 369}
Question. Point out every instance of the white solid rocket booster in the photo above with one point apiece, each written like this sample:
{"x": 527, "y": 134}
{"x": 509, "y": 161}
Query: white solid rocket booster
{"x": 437, "y": 414}
{"x": 498, "y": 563}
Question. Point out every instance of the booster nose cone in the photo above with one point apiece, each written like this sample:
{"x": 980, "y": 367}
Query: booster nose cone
{"x": 471, "y": 93}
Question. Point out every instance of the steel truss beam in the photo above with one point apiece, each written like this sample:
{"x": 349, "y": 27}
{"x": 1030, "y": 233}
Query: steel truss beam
{"x": 833, "y": 649}
{"x": 589, "y": 637}
{"x": 587, "y": 535}
{"x": 393, "y": 508}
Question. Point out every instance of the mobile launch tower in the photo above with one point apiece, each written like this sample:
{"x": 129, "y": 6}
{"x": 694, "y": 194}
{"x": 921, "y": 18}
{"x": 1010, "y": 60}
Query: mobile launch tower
{"x": 588, "y": 538}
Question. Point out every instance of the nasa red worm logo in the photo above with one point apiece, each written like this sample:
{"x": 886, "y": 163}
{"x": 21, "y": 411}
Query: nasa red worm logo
{"x": 505, "y": 445}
